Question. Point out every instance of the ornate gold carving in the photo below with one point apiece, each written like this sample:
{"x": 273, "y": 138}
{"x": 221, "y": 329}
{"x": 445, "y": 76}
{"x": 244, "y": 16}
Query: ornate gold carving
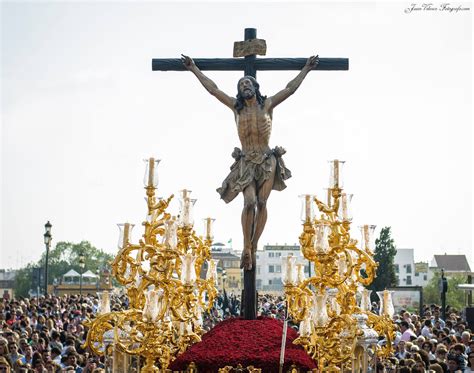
{"x": 325, "y": 304}
{"x": 165, "y": 312}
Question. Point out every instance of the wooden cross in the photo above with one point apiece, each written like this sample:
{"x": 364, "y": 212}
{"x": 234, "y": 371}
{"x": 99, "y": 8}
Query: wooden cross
{"x": 249, "y": 49}
{"x": 250, "y": 64}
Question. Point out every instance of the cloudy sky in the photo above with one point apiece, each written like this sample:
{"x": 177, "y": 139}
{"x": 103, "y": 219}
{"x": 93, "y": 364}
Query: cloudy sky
{"x": 81, "y": 109}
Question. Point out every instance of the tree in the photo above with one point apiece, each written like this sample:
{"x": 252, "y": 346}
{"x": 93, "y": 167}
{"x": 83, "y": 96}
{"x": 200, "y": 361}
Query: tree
{"x": 384, "y": 255}
{"x": 454, "y": 297}
{"x": 63, "y": 257}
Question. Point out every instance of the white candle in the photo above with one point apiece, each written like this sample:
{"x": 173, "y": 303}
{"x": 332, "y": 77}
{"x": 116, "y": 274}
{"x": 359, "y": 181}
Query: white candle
{"x": 186, "y": 211}
{"x": 170, "y": 239}
{"x": 307, "y": 203}
{"x": 366, "y": 237}
{"x": 104, "y": 302}
{"x": 289, "y": 268}
{"x": 344, "y": 206}
{"x": 151, "y": 171}
{"x": 300, "y": 273}
{"x": 188, "y": 273}
{"x": 209, "y": 222}
{"x": 126, "y": 233}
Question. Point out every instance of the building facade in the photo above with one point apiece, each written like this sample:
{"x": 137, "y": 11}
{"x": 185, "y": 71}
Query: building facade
{"x": 7, "y": 284}
{"x": 269, "y": 265}
{"x": 405, "y": 267}
{"x": 230, "y": 263}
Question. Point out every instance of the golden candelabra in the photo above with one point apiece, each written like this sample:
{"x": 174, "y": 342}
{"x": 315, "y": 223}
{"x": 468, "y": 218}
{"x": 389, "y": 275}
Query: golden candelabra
{"x": 336, "y": 328}
{"x": 161, "y": 275}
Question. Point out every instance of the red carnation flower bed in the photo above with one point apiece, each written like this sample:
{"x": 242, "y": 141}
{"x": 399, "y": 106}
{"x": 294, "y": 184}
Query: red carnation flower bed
{"x": 247, "y": 342}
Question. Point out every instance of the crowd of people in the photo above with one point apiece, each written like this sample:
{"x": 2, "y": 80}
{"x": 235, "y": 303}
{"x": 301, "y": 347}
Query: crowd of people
{"x": 46, "y": 334}
{"x": 427, "y": 343}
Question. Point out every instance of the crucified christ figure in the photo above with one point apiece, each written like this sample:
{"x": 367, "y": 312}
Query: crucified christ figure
{"x": 257, "y": 169}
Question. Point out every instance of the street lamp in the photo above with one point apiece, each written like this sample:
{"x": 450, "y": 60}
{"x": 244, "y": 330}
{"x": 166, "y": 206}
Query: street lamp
{"x": 82, "y": 265}
{"x": 47, "y": 241}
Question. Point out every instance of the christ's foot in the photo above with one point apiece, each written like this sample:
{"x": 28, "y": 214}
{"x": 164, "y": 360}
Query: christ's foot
{"x": 246, "y": 260}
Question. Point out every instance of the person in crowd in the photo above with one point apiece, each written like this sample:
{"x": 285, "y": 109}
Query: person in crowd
{"x": 470, "y": 363}
{"x": 407, "y": 333}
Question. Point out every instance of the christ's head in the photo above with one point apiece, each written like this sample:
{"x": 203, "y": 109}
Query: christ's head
{"x": 248, "y": 87}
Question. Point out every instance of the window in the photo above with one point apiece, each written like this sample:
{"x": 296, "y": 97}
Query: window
{"x": 397, "y": 268}
{"x": 271, "y": 269}
{"x": 271, "y": 255}
{"x": 258, "y": 270}
{"x": 409, "y": 268}
{"x": 278, "y": 268}
{"x": 278, "y": 254}
{"x": 408, "y": 280}
{"x": 425, "y": 277}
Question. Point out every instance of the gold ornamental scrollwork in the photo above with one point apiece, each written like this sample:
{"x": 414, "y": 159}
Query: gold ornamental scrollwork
{"x": 161, "y": 277}
{"x": 332, "y": 322}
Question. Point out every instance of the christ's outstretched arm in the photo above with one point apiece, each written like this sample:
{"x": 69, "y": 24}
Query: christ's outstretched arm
{"x": 210, "y": 86}
{"x": 293, "y": 85}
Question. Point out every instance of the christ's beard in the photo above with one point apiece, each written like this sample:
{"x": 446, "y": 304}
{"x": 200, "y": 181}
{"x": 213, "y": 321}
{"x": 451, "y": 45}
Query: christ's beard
{"x": 248, "y": 93}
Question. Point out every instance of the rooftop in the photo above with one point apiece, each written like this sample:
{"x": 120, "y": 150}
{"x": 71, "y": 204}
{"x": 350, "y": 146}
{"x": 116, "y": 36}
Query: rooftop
{"x": 452, "y": 263}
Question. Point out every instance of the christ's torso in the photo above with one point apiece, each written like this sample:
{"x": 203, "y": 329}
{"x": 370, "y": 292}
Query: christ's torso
{"x": 254, "y": 125}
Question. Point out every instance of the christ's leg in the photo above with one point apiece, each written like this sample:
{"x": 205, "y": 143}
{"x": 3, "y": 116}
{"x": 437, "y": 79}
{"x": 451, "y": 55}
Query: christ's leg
{"x": 248, "y": 224}
{"x": 262, "y": 196}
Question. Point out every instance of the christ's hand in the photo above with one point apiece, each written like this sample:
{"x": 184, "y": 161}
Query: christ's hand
{"x": 187, "y": 62}
{"x": 312, "y": 61}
